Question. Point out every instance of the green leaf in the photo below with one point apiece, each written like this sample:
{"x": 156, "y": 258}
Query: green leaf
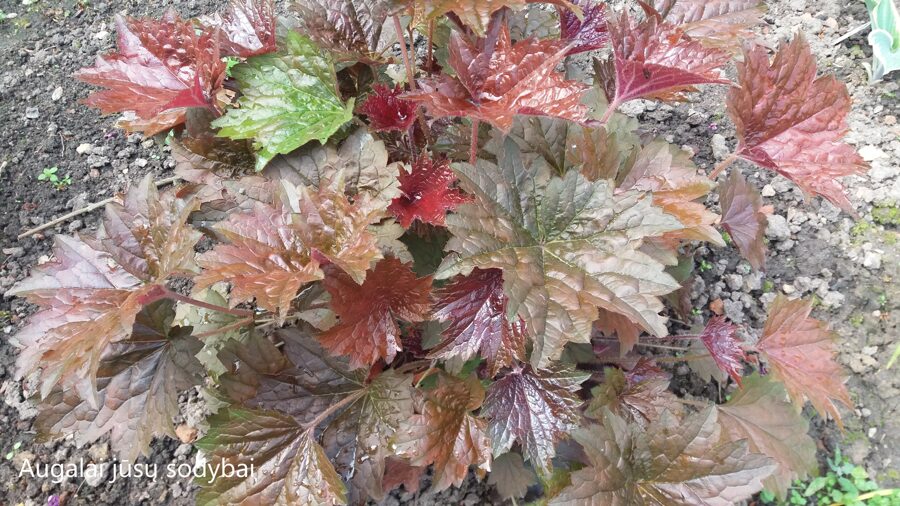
{"x": 884, "y": 37}
{"x": 815, "y": 485}
{"x": 289, "y": 98}
{"x": 566, "y": 247}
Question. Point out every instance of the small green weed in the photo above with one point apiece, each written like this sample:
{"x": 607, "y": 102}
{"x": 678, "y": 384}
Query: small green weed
{"x": 845, "y": 484}
{"x": 15, "y": 449}
{"x": 49, "y": 174}
{"x": 705, "y": 266}
{"x": 886, "y": 215}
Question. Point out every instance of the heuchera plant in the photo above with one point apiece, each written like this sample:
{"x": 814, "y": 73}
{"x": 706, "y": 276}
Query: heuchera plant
{"x": 463, "y": 264}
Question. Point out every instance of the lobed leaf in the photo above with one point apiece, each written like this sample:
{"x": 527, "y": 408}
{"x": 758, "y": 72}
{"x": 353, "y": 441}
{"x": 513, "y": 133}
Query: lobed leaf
{"x": 759, "y": 412}
{"x": 289, "y": 98}
{"x": 274, "y": 249}
{"x": 361, "y": 159}
{"x": 635, "y": 397}
{"x": 535, "y": 408}
{"x": 446, "y": 434}
{"x": 91, "y": 293}
{"x": 791, "y": 122}
{"x": 587, "y": 32}
{"x": 161, "y": 68}
{"x": 358, "y": 441}
{"x": 426, "y": 194}
{"x": 477, "y": 14}
{"x": 565, "y": 246}
{"x": 138, "y": 382}
{"x": 676, "y": 185}
{"x": 368, "y": 331}
{"x": 744, "y": 219}
{"x": 387, "y": 111}
{"x": 800, "y": 351}
{"x": 717, "y": 23}
{"x": 247, "y": 28}
{"x": 304, "y": 382}
{"x": 510, "y": 476}
{"x": 516, "y": 78}
{"x": 654, "y": 59}
{"x": 289, "y": 466}
{"x": 350, "y": 30}
{"x": 720, "y": 338}
{"x": 475, "y": 307}
{"x": 672, "y": 462}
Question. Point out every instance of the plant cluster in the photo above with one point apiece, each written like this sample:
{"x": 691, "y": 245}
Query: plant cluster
{"x": 844, "y": 484}
{"x": 449, "y": 265}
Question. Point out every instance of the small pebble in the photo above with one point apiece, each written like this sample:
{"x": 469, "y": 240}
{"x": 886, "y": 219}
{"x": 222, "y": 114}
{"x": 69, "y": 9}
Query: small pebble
{"x": 32, "y": 113}
{"x": 57, "y": 94}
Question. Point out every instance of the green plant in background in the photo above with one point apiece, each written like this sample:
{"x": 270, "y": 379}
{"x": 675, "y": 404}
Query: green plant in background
{"x": 845, "y": 484}
{"x": 15, "y": 449}
{"x": 49, "y": 174}
{"x": 886, "y": 215}
{"x": 884, "y": 37}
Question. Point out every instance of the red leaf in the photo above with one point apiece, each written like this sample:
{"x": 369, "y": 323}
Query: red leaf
{"x": 475, "y": 306}
{"x": 791, "y": 122}
{"x": 160, "y": 67}
{"x": 427, "y": 195}
{"x": 720, "y": 338}
{"x": 494, "y": 86}
{"x": 743, "y": 218}
{"x": 654, "y": 59}
{"x": 717, "y": 23}
{"x": 387, "y": 111}
{"x": 368, "y": 330}
{"x": 588, "y": 33}
{"x": 801, "y": 353}
{"x": 399, "y": 472}
{"x": 247, "y": 28}
{"x": 535, "y": 408}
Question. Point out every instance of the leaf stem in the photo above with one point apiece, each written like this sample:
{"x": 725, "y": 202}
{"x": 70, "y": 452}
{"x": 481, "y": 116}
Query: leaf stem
{"x": 694, "y": 403}
{"x": 331, "y": 409}
{"x": 429, "y": 58}
{"x": 425, "y": 374}
{"x": 410, "y": 73}
{"x": 663, "y": 346}
{"x": 206, "y": 305}
{"x": 231, "y": 326}
{"x": 609, "y": 112}
{"x": 724, "y": 164}
{"x": 869, "y": 495}
{"x": 683, "y": 358}
{"x": 473, "y": 145}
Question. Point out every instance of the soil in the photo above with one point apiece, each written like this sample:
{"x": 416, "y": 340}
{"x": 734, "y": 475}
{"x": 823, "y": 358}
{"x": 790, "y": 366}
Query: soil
{"x": 850, "y": 265}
